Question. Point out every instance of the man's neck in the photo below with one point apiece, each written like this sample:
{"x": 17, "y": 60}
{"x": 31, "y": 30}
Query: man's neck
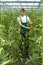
{"x": 22, "y": 15}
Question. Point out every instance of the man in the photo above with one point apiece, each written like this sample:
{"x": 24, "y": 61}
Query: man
{"x": 23, "y": 21}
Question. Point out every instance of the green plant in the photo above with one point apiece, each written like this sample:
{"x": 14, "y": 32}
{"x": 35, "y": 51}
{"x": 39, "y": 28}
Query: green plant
{"x": 10, "y": 38}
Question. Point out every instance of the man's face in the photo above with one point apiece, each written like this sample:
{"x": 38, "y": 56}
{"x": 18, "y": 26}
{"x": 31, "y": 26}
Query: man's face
{"x": 22, "y": 13}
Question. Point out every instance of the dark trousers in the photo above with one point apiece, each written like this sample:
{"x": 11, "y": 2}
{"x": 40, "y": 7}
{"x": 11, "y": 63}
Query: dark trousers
{"x": 25, "y": 40}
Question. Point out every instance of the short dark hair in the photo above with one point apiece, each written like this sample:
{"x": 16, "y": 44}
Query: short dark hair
{"x": 23, "y": 9}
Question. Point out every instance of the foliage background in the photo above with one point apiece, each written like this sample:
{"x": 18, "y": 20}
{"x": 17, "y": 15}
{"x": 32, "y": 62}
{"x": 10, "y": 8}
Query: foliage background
{"x": 10, "y": 38}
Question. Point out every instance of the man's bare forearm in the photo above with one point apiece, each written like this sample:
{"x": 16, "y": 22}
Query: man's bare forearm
{"x": 23, "y": 26}
{"x": 30, "y": 22}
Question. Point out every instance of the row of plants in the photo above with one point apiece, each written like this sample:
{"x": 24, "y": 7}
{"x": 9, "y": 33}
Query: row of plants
{"x": 10, "y": 38}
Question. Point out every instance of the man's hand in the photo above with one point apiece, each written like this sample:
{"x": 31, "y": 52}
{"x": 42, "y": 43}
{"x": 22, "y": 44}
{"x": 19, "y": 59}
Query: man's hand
{"x": 31, "y": 22}
{"x": 28, "y": 28}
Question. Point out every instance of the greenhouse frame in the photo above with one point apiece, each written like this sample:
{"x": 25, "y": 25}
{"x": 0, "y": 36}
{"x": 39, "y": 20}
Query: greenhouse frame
{"x": 15, "y": 48}
{"x": 28, "y": 5}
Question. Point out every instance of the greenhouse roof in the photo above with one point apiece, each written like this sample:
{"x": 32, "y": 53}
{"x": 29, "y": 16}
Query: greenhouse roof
{"x": 18, "y": 4}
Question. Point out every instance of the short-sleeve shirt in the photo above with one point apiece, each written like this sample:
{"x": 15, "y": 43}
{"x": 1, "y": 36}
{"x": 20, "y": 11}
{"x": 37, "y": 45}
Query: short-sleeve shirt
{"x": 23, "y": 18}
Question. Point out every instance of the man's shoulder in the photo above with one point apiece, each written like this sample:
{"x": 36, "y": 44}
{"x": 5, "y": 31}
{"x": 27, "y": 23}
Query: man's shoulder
{"x": 18, "y": 18}
{"x": 26, "y": 15}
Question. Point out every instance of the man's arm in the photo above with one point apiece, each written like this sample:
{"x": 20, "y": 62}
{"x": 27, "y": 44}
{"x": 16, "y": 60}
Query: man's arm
{"x": 30, "y": 22}
{"x": 24, "y": 26}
